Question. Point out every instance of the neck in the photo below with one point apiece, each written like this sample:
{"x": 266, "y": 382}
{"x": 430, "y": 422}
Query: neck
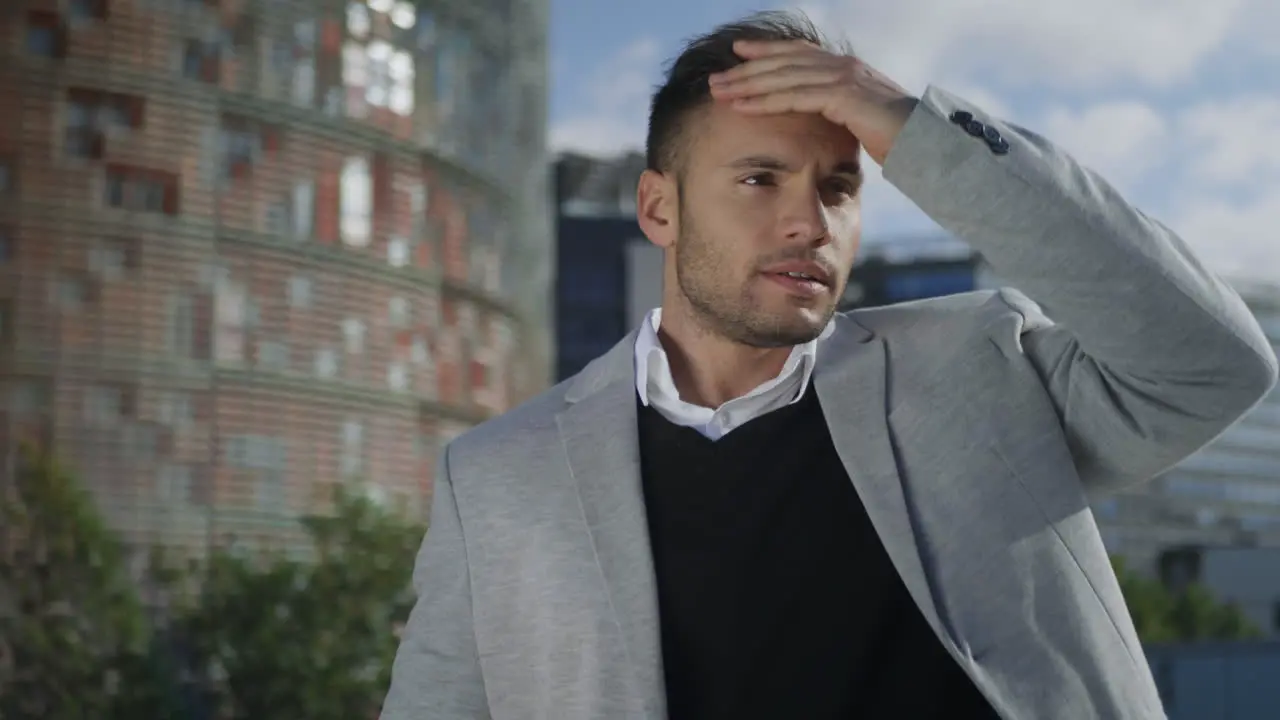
{"x": 710, "y": 369}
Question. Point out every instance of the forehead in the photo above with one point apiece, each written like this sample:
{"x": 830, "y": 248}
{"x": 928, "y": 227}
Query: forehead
{"x": 718, "y": 134}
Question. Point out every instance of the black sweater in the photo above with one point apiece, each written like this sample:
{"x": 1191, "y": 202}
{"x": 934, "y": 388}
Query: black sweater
{"x": 777, "y": 599}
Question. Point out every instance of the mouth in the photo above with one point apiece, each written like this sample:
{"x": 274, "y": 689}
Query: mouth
{"x": 804, "y": 279}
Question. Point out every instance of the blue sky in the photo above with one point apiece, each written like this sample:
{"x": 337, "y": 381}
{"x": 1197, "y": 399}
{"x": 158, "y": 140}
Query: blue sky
{"x": 1177, "y": 102}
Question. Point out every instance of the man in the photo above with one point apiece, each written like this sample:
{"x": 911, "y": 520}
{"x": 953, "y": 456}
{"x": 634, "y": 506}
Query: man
{"x": 754, "y": 507}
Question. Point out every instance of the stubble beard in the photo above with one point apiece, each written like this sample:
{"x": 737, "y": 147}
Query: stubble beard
{"x": 729, "y": 312}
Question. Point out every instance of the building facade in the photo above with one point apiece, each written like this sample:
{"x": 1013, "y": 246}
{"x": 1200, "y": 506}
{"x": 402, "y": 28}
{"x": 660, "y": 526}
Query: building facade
{"x": 902, "y": 269}
{"x": 251, "y": 250}
{"x": 608, "y": 275}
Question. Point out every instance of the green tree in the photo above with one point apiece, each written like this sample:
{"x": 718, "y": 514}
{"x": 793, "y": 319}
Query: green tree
{"x": 282, "y": 638}
{"x": 74, "y": 641}
{"x": 1161, "y": 615}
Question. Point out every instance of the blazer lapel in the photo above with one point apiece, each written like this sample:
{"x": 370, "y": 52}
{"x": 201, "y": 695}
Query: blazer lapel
{"x": 600, "y": 437}
{"x": 850, "y": 381}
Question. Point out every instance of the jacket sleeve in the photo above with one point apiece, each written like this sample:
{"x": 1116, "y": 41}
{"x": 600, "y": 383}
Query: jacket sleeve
{"x": 436, "y": 675}
{"x": 1145, "y": 353}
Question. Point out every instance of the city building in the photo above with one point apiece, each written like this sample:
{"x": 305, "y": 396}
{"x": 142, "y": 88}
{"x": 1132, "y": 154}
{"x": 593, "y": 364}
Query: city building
{"x": 1227, "y": 495}
{"x": 902, "y": 269}
{"x": 1222, "y": 680}
{"x": 251, "y": 250}
{"x": 608, "y": 275}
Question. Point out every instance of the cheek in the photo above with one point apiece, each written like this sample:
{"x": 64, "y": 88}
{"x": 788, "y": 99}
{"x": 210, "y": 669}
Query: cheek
{"x": 845, "y": 226}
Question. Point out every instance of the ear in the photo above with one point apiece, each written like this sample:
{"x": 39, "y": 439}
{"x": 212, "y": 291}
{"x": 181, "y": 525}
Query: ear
{"x": 657, "y": 208}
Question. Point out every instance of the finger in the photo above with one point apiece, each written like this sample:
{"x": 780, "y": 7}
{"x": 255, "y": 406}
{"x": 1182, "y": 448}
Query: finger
{"x": 806, "y": 99}
{"x": 783, "y": 78}
{"x": 769, "y": 64}
{"x": 749, "y": 49}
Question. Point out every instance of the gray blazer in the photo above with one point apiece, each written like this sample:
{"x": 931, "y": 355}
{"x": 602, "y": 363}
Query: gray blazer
{"x": 975, "y": 429}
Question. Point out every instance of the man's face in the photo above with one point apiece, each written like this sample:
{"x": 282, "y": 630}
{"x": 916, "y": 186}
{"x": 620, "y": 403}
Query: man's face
{"x": 769, "y": 222}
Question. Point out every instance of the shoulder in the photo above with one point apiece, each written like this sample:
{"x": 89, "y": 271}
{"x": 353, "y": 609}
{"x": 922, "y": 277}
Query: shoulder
{"x": 520, "y": 422}
{"x": 1001, "y": 315}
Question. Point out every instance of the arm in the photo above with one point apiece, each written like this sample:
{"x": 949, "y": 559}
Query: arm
{"x": 1149, "y": 356}
{"x": 436, "y": 675}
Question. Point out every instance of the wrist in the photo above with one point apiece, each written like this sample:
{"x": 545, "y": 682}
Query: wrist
{"x": 892, "y": 118}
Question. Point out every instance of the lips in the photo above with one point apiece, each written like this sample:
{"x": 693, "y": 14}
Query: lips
{"x": 806, "y": 272}
{"x": 799, "y": 284}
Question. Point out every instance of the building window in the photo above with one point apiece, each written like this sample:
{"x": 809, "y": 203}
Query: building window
{"x": 398, "y": 377}
{"x": 113, "y": 258}
{"x": 202, "y": 61}
{"x": 398, "y": 253}
{"x": 355, "y": 203}
{"x": 8, "y": 176}
{"x": 273, "y": 355}
{"x": 244, "y": 143}
{"x": 418, "y": 208}
{"x": 180, "y": 331}
{"x": 376, "y": 73}
{"x": 326, "y": 363}
{"x": 30, "y": 397}
{"x": 141, "y": 190}
{"x": 299, "y": 292}
{"x": 419, "y": 352}
{"x": 232, "y": 314}
{"x": 7, "y": 251}
{"x": 303, "y": 207}
{"x": 107, "y": 404}
{"x": 87, "y": 9}
{"x": 174, "y": 409}
{"x": 267, "y": 459}
{"x": 352, "y": 448}
{"x": 46, "y": 35}
{"x": 398, "y": 312}
{"x": 358, "y": 19}
{"x": 276, "y": 220}
{"x": 353, "y": 336}
{"x": 453, "y": 53}
{"x": 303, "y": 89}
{"x": 173, "y": 484}
{"x": 7, "y": 330}
{"x": 71, "y": 292}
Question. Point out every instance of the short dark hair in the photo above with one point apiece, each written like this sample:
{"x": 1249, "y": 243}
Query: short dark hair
{"x": 685, "y": 88}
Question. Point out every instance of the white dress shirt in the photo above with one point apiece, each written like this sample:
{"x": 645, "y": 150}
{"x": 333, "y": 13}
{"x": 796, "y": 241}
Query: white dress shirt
{"x": 657, "y": 387}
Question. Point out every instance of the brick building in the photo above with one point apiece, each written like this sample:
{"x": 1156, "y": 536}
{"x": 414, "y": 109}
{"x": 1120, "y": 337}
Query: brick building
{"x": 251, "y": 249}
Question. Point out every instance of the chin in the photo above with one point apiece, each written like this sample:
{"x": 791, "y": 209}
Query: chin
{"x": 787, "y": 329}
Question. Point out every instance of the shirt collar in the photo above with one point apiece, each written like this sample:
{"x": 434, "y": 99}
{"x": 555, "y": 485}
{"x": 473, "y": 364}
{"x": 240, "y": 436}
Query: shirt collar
{"x": 651, "y": 362}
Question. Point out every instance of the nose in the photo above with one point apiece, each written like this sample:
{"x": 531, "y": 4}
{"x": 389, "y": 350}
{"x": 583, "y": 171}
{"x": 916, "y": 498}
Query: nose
{"x": 805, "y": 217}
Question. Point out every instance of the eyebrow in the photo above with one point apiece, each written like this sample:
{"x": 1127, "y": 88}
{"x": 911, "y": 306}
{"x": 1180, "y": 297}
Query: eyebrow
{"x": 765, "y": 162}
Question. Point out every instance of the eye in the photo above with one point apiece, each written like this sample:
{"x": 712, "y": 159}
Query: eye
{"x": 843, "y": 186}
{"x": 760, "y": 180}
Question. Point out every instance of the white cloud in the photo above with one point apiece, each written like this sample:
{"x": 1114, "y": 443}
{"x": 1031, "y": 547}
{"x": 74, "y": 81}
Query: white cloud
{"x": 614, "y": 112}
{"x": 1234, "y": 142}
{"x": 1079, "y": 45}
{"x": 1212, "y": 163}
{"x": 1239, "y": 239}
{"x": 1121, "y": 140}
{"x": 1127, "y": 82}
